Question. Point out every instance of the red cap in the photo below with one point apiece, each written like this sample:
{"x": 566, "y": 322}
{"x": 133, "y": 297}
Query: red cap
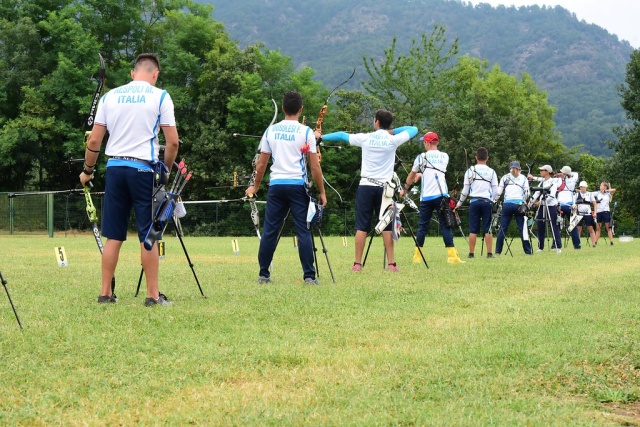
{"x": 431, "y": 138}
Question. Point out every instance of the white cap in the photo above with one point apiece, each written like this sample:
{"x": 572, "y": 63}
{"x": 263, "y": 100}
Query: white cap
{"x": 566, "y": 170}
{"x": 583, "y": 184}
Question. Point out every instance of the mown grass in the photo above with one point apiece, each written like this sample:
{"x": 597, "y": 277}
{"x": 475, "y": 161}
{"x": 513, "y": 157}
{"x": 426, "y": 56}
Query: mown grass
{"x": 543, "y": 340}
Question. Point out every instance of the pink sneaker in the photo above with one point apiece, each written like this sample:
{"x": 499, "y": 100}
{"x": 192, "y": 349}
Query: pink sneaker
{"x": 356, "y": 267}
{"x": 393, "y": 267}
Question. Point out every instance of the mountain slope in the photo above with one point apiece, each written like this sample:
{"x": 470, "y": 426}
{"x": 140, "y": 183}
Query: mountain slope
{"x": 578, "y": 64}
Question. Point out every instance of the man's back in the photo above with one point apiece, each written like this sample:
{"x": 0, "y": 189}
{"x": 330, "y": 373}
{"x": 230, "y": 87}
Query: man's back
{"x": 133, "y": 114}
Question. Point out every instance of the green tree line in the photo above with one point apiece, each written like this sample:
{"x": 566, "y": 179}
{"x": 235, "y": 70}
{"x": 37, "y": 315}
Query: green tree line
{"x": 49, "y": 65}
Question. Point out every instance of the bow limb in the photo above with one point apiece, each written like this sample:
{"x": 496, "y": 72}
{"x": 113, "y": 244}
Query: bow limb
{"x": 96, "y": 95}
{"x": 318, "y": 128}
{"x": 255, "y": 214}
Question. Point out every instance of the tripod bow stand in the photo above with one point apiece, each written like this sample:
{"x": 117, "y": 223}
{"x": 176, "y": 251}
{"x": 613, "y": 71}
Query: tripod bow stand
{"x": 4, "y": 283}
{"x": 406, "y": 221}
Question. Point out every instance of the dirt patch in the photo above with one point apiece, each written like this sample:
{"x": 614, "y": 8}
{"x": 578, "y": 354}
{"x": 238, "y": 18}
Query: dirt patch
{"x": 629, "y": 411}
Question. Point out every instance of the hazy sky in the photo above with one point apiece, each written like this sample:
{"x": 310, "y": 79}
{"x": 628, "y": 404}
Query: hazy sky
{"x": 619, "y": 17}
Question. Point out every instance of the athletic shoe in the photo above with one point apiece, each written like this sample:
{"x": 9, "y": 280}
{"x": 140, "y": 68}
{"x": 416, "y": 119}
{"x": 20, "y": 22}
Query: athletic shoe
{"x": 106, "y": 299}
{"x": 162, "y": 300}
{"x": 559, "y": 250}
{"x": 356, "y": 267}
{"x": 470, "y": 255}
{"x": 310, "y": 281}
{"x": 393, "y": 267}
{"x": 264, "y": 280}
{"x": 489, "y": 255}
{"x": 611, "y": 243}
{"x": 540, "y": 250}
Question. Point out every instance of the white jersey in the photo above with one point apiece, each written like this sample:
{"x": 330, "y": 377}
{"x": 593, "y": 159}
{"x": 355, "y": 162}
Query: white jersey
{"x": 516, "y": 189}
{"x": 433, "y": 165}
{"x": 133, "y": 114}
{"x": 287, "y": 141}
{"x": 480, "y": 182}
{"x": 583, "y": 201}
{"x": 565, "y": 192}
{"x": 551, "y": 185}
{"x": 603, "y": 200}
{"x": 378, "y": 154}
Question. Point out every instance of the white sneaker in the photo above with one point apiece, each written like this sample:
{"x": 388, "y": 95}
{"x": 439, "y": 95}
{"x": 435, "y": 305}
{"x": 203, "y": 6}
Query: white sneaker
{"x": 540, "y": 250}
{"x": 558, "y": 250}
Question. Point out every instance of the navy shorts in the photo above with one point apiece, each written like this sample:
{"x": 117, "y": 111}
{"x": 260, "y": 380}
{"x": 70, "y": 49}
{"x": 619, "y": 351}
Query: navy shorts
{"x": 479, "y": 210}
{"x": 368, "y": 200}
{"x": 603, "y": 217}
{"x": 587, "y": 220}
{"x": 126, "y": 188}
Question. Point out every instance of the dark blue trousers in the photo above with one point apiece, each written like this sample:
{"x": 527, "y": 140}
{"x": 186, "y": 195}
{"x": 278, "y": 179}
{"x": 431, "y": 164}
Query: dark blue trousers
{"x": 509, "y": 212}
{"x": 280, "y": 199}
{"x": 426, "y": 211}
{"x": 541, "y": 226}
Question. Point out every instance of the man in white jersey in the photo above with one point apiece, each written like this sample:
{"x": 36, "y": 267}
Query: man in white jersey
{"x": 133, "y": 114}
{"x": 431, "y": 167}
{"x": 516, "y": 192}
{"x": 378, "y": 158}
{"x": 545, "y": 200}
{"x": 287, "y": 143}
{"x": 603, "y": 212}
{"x": 583, "y": 200}
{"x": 566, "y": 189}
{"x": 481, "y": 185}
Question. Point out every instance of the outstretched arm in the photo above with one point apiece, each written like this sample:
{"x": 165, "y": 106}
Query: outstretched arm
{"x": 336, "y": 137}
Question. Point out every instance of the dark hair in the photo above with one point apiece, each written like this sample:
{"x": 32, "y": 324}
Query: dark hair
{"x": 385, "y": 118}
{"x": 291, "y": 102}
{"x": 482, "y": 154}
{"x": 148, "y": 60}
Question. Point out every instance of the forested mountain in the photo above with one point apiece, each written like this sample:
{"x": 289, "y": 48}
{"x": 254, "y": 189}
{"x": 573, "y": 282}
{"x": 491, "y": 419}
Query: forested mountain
{"x": 579, "y": 64}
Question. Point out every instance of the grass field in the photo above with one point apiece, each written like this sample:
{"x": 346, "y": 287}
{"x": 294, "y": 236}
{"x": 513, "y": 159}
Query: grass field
{"x": 543, "y": 340}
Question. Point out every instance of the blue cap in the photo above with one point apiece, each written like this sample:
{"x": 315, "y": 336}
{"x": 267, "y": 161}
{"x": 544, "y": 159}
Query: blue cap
{"x": 514, "y": 165}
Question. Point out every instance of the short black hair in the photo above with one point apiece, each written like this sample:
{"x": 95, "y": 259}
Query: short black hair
{"x": 149, "y": 60}
{"x": 482, "y": 153}
{"x": 291, "y": 102}
{"x": 385, "y": 118}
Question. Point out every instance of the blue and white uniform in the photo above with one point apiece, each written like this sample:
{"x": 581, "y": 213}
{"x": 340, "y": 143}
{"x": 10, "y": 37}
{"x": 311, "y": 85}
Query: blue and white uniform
{"x": 432, "y": 164}
{"x": 516, "y": 193}
{"x": 565, "y": 196}
{"x": 133, "y": 114}
{"x": 481, "y": 185}
{"x": 287, "y": 142}
{"x": 376, "y": 167}
{"x": 603, "y": 210}
{"x": 583, "y": 201}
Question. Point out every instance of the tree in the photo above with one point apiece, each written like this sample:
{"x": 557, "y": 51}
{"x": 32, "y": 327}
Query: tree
{"x": 488, "y": 108}
{"x": 410, "y": 85}
{"x": 626, "y": 158}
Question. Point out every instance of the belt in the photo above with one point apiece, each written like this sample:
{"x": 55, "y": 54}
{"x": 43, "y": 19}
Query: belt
{"x": 131, "y": 159}
{"x": 375, "y": 181}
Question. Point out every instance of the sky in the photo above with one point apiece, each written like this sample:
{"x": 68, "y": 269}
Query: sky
{"x": 619, "y": 17}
